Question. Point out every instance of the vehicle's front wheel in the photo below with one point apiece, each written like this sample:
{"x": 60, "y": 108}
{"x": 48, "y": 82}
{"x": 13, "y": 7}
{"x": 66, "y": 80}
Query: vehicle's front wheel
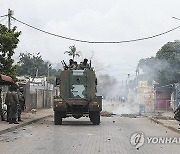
{"x": 57, "y": 118}
{"x": 95, "y": 117}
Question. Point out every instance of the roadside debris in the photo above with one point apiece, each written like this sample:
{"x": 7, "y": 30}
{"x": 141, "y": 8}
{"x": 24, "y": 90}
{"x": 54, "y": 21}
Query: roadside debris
{"x": 163, "y": 117}
{"x": 33, "y": 111}
{"x": 129, "y": 115}
{"x": 106, "y": 114}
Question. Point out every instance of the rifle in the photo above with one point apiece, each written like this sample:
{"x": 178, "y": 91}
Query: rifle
{"x": 64, "y": 65}
{"x": 90, "y": 64}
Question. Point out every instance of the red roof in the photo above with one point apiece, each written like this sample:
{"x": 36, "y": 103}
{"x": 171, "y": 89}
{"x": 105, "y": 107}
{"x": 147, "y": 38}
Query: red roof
{"x": 4, "y": 79}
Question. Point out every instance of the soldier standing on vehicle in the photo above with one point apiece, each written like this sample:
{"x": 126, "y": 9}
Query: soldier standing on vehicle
{"x": 84, "y": 64}
{"x": 75, "y": 65}
{"x": 20, "y": 105}
{"x": 12, "y": 103}
{"x": 1, "y": 109}
{"x": 71, "y": 64}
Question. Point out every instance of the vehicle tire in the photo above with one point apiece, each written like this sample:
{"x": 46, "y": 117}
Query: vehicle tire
{"x": 177, "y": 114}
{"x": 57, "y": 118}
{"x": 95, "y": 117}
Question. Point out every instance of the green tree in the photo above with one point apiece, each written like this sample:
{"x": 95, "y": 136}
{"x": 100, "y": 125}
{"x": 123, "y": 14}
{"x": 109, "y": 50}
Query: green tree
{"x": 170, "y": 53}
{"x": 55, "y": 72}
{"x": 165, "y": 66}
{"x": 8, "y": 42}
{"x": 73, "y": 52}
{"x": 32, "y": 65}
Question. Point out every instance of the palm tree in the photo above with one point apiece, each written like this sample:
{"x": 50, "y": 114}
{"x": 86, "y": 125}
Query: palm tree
{"x": 73, "y": 52}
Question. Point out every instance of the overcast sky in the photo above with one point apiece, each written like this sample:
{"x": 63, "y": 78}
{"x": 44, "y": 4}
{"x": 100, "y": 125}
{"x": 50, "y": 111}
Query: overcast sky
{"x": 95, "y": 20}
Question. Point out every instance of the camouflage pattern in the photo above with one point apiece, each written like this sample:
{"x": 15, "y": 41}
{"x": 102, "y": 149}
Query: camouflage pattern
{"x": 12, "y": 102}
{"x": 21, "y": 104}
{"x": 1, "y": 109}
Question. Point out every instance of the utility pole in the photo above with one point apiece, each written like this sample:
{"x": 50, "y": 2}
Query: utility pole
{"x": 49, "y": 65}
{"x": 10, "y": 13}
{"x": 48, "y": 72}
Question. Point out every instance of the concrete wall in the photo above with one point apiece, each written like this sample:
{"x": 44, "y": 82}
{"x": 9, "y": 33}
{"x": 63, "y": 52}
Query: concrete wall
{"x": 38, "y": 99}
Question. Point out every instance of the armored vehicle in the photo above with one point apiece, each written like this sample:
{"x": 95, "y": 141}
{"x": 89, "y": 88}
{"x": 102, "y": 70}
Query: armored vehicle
{"x": 77, "y": 95}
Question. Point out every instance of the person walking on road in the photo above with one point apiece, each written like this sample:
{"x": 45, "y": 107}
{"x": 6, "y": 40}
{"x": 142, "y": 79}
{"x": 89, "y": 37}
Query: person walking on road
{"x": 12, "y": 104}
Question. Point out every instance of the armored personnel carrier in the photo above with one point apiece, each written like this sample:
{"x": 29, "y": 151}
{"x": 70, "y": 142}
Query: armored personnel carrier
{"x": 77, "y": 95}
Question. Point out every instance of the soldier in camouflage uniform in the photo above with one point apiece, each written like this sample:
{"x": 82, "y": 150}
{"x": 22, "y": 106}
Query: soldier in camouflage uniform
{"x": 21, "y": 104}
{"x": 1, "y": 109}
{"x": 84, "y": 64}
{"x": 12, "y": 104}
{"x": 8, "y": 95}
{"x": 71, "y": 64}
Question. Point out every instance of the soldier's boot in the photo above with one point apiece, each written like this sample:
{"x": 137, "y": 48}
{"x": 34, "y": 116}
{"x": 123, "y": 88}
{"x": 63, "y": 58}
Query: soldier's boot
{"x": 15, "y": 121}
{"x": 19, "y": 119}
{"x": 10, "y": 121}
{"x": 2, "y": 118}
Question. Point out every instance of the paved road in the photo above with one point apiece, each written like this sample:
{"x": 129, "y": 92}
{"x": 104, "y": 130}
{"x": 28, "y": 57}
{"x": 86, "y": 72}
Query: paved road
{"x": 81, "y": 137}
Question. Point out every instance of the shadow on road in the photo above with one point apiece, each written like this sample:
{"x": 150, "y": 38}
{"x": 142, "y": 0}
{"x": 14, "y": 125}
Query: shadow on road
{"x": 67, "y": 122}
{"x": 77, "y": 123}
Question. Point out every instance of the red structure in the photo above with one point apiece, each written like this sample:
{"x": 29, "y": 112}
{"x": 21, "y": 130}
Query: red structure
{"x": 162, "y": 101}
{"x": 5, "y": 80}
